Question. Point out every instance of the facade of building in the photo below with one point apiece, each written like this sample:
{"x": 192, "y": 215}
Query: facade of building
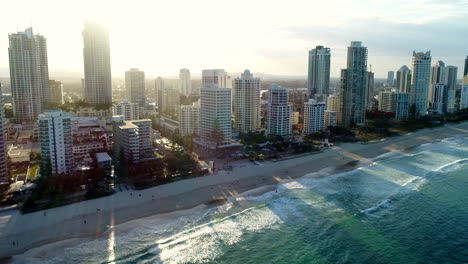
{"x": 247, "y": 103}
{"x": 318, "y": 81}
{"x": 334, "y": 104}
{"x": 158, "y": 90}
{"x": 354, "y": 86}
{"x": 56, "y": 141}
{"x": 330, "y": 118}
{"x": 439, "y": 97}
{"x": 465, "y": 70}
{"x": 185, "y": 85}
{"x": 464, "y": 96}
{"x": 420, "y": 80}
{"x": 189, "y": 118}
{"x": 370, "y": 91}
{"x": 132, "y": 140}
{"x": 29, "y": 74}
{"x": 217, "y": 78}
{"x": 439, "y": 75}
{"x": 130, "y": 111}
{"x": 170, "y": 100}
{"x": 56, "y": 92}
{"x": 403, "y": 79}
{"x": 3, "y": 149}
{"x": 97, "y": 64}
{"x": 135, "y": 85}
{"x": 390, "y": 78}
{"x": 402, "y": 106}
{"x": 295, "y": 118}
{"x": 279, "y": 120}
{"x": 314, "y": 116}
{"x": 452, "y": 73}
{"x": 215, "y": 116}
{"x": 387, "y": 102}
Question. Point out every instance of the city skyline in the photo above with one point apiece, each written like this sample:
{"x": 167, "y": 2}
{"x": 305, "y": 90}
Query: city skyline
{"x": 280, "y": 47}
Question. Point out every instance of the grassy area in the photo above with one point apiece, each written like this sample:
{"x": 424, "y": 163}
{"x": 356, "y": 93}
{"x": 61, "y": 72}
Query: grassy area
{"x": 33, "y": 172}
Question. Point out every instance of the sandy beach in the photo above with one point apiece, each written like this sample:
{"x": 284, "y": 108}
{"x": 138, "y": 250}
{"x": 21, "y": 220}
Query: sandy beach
{"x": 90, "y": 219}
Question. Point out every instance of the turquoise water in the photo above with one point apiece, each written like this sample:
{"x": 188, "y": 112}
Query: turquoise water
{"x": 403, "y": 209}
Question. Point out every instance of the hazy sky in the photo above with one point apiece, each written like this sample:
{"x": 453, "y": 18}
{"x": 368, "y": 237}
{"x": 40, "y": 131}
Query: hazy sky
{"x": 160, "y": 37}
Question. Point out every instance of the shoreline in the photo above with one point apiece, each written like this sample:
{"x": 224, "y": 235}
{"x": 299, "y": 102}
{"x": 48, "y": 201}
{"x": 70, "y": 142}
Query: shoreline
{"x": 89, "y": 220}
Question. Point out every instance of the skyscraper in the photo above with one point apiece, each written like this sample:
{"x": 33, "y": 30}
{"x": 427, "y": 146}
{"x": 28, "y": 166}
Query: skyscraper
{"x": 354, "y": 85}
{"x": 215, "y": 116}
{"x": 247, "y": 102}
{"x": 3, "y": 150}
{"x": 185, "y": 85}
{"x": 452, "y": 72}
{"x": 465, "y": 71}
{"x": 279, "y": 112}
{"x": 420, "y": 80}
{"x": 438, "y": 76}
{"x": 97, "y": 64}
{"x": 158, "y": 90}
{"x": 56, "y": 92}
{"x": 439, "y": 103}
{"x": 216, "y": 77}
{"x": 189, "y": 119}
{"x": 334, "y": 104}
{"x": 390, "y": 78}
{"x": 319, "y": 71}
{"x": 370, "y": 90}
{"x": 403, "y": 79}
{"x": 314, "y": 116}
{"x": 56, "y": 141}
{"x": 29, "y": 74}
{"x": 135, "y": 85}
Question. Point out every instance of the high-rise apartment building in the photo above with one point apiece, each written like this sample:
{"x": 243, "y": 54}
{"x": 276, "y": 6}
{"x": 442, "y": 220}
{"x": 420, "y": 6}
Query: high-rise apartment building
{"x": 334, "y": 104}
{"x": 130, "y": 111}
{"x": 56, "y": 92}
{"x": 132, "y": 140}
{"x": 3, "y": 150}
{"x": 135, "y": 85}
{"x": 452, "y": 86}
{"x": 464, "y": 94}
{"x": 279, "y": 120}
{"x": 330, "y": 118}
{"x": 465, "y": 70}
{"x": 216, "y": 77}
{"x": 420, "y": 80}
{"x": 247, "y": 103}
{"x": 402, "y": 106}
{"x": 403, "y": 79}
{"x": 390, "y": 78}
{"x": 370, "y": 91}
{"x": 354, "y": 86}
{"x": 97, "y": 64}
{"x": 439, "y": 75}
{"x": 439, "y": 104}
{"x": 158, "y": 90}
{"x": 394, "y": 102}
{"x": 185, "y": 85}
{"x": 314, "y": 116}
{"x": 55, "y": 136}
{"x": 29, "y": 74}
{"x": 189, "y": 119}
{"x": 215, "y": 116}
{"x": 318, "y": 81}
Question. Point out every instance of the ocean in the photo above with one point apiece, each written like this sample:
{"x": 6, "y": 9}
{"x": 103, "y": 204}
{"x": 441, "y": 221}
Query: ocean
{"x": 410, "y": 208}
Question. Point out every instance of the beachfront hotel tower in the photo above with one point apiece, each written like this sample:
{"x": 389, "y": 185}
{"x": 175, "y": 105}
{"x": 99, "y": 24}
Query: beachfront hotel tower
{"x": 55, "y": 136}
{"x": 354, "y": 86}
{"x": 132, "y": 140}
{"x": 247, "y": 103}
{"x": 97, "y": 64}
{"x": 135, "y": 86}
{"x": 403, "y": 79}
{"x": 420, "y": 80}
{"x": 29, "y": 74}
{"x": 314, "y": 116}
{"x": 185, "y": 85}
{"x": 215, "y": 128}
{"x": 279, "y": 120}
{"x": 318, "y": 80}
{"x": 3, "y": 149}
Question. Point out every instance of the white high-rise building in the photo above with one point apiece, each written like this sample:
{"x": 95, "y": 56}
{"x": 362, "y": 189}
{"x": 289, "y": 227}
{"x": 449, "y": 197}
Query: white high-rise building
{"x": 439, "y": 97}
{"x": 56, "y": 92}
{"x": 247, "y": 103}
{"x": 185, "y": 85}
{"x": 215, "y": 116}
{"x": 3, "y": 150}
{"x": 130, "y": 111}
{"x": 279, "y": 120}
{"x": 403, "y": 79}
{"x": 56, "y": 141}
{"x": 97, "y": 64}
{"x": 29, "y": 74}
{"x": 189, "y": 119}
{"x": 334, "y": 104}
{"x": 354, "y": 86}
{"x": 394, "y": 102}
{"x": 420, "y": 80}
{"x": 132, "y": 140}
{"x": 319, "y": 70}
{"x": 314, "y": 116}
{"x": 135, "y": 85}
{"x": 216, "y": 77}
